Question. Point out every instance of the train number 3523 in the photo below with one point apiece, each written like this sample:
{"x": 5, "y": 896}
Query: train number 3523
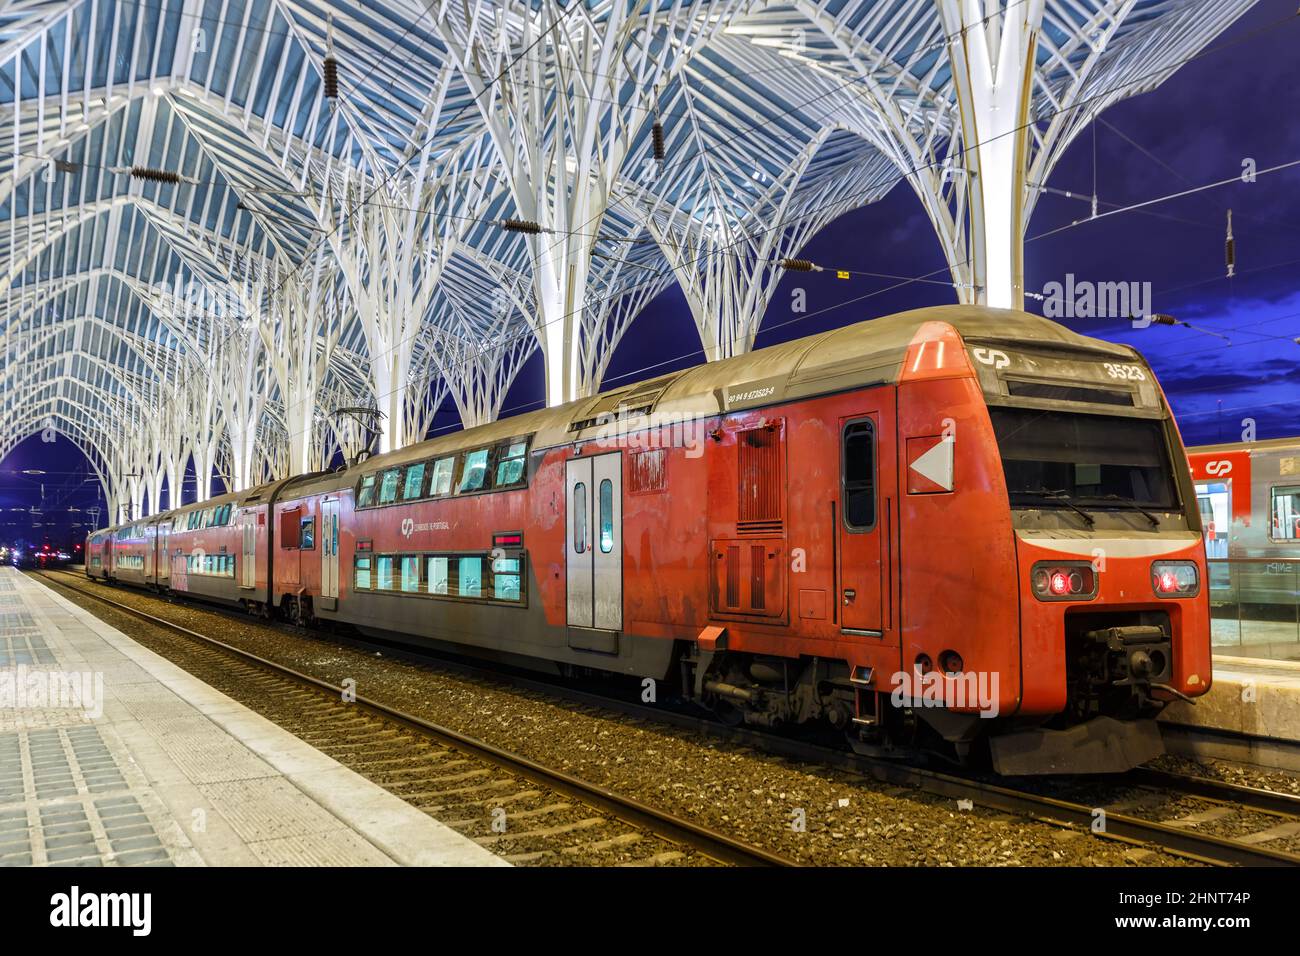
{"x": 1130, "y": 373}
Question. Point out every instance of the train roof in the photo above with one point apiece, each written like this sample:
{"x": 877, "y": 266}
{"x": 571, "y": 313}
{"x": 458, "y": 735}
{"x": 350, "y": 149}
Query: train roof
{"x": 864, "y": 353}
{"x": 1269, "y": 444}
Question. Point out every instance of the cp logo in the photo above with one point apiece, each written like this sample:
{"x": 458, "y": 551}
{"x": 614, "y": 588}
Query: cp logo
{"x": 408, "y": 525}
{"x": 1218, "y": 468}
{"x": 992, "y": 357}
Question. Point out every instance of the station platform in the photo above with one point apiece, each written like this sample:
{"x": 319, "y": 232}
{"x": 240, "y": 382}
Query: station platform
{"x": 1250, "y": 715}
{"x": 112, "y": 756}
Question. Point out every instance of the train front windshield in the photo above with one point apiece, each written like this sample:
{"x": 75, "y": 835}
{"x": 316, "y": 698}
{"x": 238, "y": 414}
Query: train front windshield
{"x": 1100, "y": 460}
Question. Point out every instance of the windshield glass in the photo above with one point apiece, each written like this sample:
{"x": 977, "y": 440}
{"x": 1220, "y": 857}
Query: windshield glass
{"x": 1099, "y": 459}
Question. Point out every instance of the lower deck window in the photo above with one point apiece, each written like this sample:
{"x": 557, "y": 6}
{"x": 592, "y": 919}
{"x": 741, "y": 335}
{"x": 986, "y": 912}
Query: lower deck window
{"x": 473, "y": 576}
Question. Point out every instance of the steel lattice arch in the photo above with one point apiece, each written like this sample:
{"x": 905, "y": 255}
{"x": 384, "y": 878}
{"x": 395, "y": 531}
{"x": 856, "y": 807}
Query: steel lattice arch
{"x": 227, "y": 225}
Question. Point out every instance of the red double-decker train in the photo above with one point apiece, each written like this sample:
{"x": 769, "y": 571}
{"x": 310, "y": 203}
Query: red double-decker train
{"x": 940, "y": 529}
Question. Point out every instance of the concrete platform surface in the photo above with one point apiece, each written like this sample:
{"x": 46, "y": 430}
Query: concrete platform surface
{"x": 1249, "y": 696}
{"x": 111, "y": 755}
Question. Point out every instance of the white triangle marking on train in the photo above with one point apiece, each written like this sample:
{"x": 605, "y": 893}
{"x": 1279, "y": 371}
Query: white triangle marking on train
{"x": 936, "y": 464}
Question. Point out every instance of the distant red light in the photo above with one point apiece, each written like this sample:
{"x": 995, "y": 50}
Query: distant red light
{"x": 1060, "y": 583}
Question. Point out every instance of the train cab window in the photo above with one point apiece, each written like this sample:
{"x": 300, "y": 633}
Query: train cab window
{"x": 361, "y": 573}
{"x": 580, "y": 518}
{"x": 1285, "y": 509}
{"x": 436, "y": 570}
{"x": 606, "y": 516}
{"x": 366, "y": 493}
{"x": 440, "y": 480}
{"x": 511, "y": 459}
{"x": 410, "y": 572}
{"x": 384, "y": 572}
{"x": 388, "y": 486}
{"x": 858, "y": 462}
{"x": 505, "y": 579}
{"x": 474, "y": 475}
{"x": 469, "y": 577}
{"x": 307, "y": 534}
{"x": 413, "y": 484}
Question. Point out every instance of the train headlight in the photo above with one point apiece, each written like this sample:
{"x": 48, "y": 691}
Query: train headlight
{"x": 1175, "y": 579}
{"x": 1064, "y": 580}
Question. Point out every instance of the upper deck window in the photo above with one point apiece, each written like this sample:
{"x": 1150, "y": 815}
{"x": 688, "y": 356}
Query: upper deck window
{"x": 440, "y": 481}
{"x": 413, "y": 485}
{"x": 388, "y": 486}
{"x": 366, "y": 494}
{"x": 474, "y": 475}
{"x": 511, "y": 459}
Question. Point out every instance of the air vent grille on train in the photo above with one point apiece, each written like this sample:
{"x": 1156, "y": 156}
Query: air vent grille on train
{"x": 758, "y": 473}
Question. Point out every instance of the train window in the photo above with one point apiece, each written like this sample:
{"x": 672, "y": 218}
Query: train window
{"x": 366, "y": 493}
{"x": 859, "y": 475}
{"x": 1052, "y": 459}
{"x": 606, "y": 516}
{"x": 580, "y": 518}
{"x": 474, "y": 475}
{"x": 307, "y": 534}
{"x": 413, "y": 485}
{"x": 361, "y": 567}
{"x": 511, "y": 458}
{"x": 435, "y": 575}
{"x": 1286, "y": 513}
{"x": 440, "y": 481}
{"x": 388, "y": 486}
{"x": 469, "y": 577}
{"x": 384, "y": 572}
{"x": 505, "y": 579}
{"x": 410, "y": 572}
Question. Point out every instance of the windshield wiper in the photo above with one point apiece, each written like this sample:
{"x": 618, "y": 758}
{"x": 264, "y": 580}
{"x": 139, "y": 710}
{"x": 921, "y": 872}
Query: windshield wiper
{"x": 1064, "y": 499}
{"x": 1155, "y": 522}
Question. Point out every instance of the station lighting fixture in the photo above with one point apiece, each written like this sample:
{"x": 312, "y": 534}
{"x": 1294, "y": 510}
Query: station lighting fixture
{"x": 1230, "y": 248}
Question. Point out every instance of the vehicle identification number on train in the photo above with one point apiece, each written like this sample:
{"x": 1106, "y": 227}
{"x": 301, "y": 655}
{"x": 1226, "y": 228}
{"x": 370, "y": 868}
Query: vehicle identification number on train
{"x": 1129, "y": 373}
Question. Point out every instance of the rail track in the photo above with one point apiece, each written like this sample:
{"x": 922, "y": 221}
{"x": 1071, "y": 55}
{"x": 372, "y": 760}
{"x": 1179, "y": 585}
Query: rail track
{"x": 468, "y": 784}
{"x": 1267, "y": 816}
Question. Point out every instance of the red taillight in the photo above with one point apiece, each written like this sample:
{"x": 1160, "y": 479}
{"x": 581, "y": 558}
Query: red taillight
{"x": 1175, "y": 579}
{"x": 1064, "y": 581}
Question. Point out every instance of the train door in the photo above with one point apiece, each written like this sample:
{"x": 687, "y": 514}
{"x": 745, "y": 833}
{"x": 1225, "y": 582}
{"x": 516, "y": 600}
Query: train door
{"x": 247, "y": 549}
{"x": 162, "y": 560}
{"x": 594, "y": 543}
{"x": 861, "y": 527}
{"x": 329, "y": 552}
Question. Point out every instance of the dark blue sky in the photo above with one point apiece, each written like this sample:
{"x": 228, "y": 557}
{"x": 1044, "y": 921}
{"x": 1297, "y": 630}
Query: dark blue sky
{"x": 1238, "y": 100}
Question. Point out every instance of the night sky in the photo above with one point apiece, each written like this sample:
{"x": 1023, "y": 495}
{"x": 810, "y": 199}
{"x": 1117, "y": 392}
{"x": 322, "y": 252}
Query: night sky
{"x": 1238, "y": 100}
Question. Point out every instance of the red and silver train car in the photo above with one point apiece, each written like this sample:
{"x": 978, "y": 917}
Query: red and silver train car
{"x": 949, "y": 526}
{"x": 1249, "y": 495}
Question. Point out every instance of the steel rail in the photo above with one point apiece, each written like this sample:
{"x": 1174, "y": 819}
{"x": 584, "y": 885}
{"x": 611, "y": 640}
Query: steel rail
{"x": 711, "y": 843}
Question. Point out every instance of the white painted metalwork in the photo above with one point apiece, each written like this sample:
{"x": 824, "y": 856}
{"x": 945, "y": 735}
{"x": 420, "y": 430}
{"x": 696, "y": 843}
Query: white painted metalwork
{"x": 313, "y": 278}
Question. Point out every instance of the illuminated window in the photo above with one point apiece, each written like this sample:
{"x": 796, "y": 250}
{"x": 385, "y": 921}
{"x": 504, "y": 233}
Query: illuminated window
{"x": 606, "y": 516}
{"x": 435, "y": 575}
{"x": 388, "y": 486}
{"x": 469, "y": 577}
{"x": 440, "y": 483}
{"x": 505, "y": 579}
{"x": 384, "y": 572}
{"x": 474, "y": 477}
{"x": 366, "y": 496}
{"x": 413, "y": 487}
{"x": 511, "y": 460}
{"x": 1286, "y": 513}
{"x": 411, "y": 573}
{"x": 361, "y": 573}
